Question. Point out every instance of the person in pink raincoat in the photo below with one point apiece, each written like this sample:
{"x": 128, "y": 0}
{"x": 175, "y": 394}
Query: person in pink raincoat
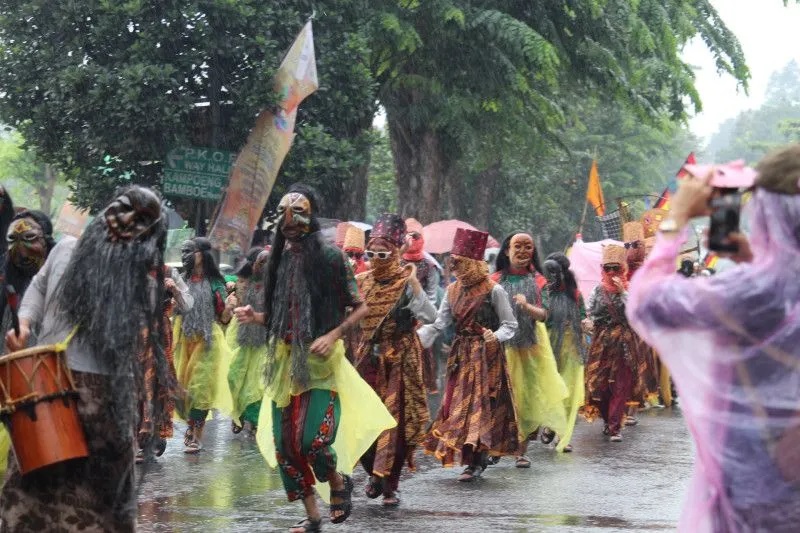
{"x": 732, "y": 343}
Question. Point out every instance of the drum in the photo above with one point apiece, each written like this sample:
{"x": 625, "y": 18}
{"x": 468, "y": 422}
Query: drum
{"x": 38, "y": 404}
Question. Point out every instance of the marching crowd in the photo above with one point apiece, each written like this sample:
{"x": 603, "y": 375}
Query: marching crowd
{"x": 326, "y": 353}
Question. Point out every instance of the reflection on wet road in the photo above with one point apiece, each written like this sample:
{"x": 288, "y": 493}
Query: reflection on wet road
{"x": 636, "y": 485}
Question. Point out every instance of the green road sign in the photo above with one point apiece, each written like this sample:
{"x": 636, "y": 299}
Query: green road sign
{"x": 199, "y": 173}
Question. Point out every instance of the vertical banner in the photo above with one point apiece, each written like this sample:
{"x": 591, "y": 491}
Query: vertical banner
{"x": 256, "y": 167}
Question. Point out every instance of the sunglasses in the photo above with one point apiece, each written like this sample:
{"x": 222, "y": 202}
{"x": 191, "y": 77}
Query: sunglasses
{"x": 354, "y": 255}
{"x": 634, "y": 245}
{"x": 380, "y": 255}
{"x": 611, "y": 268}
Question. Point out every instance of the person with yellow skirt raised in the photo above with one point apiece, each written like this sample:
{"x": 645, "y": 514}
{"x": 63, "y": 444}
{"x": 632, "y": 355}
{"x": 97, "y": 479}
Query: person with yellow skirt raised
{"x": 323, "y": 415}
{"x": 565, "y": 314}
{"x": 201, "y": 352}
{"x": 537, "y": 387}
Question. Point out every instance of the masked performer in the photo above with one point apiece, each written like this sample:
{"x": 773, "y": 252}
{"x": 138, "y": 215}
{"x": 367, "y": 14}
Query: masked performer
{"x": 201, "y": 352}
{"x": 428, "y": 276}
{"x": 476, "y": 418}
{"x": 248, "y": 342}
{"x": 646, "y": 366}
{"x": 101, "y": 285}
{"x": 538, "y": 389}
{"x": 29, "y": 241}
{"x": 354, "y": 249}
{"x": 390, "y": 355}
{"x": 565, "y": 314}
{"x": 311, "y": 388}
{"x": 613, "y": 354}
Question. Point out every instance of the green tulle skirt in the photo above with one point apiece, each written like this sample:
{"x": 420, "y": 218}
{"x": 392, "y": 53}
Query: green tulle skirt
{"x": 245, "y": 375}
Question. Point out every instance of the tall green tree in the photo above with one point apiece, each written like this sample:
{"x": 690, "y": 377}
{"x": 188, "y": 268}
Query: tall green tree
{"x": 450, "y": 66}
{"x": 31, "y": 182}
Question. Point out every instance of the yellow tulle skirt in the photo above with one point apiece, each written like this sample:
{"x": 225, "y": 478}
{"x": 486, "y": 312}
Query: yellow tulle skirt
{"x": 203, "y": 372}
{"x": 572, "y": 374}
{"x": 537, "y": 387}
{"x": 5, "y": 448}
{"x": 246, "y": 372}
{"x": 363, "y": 417}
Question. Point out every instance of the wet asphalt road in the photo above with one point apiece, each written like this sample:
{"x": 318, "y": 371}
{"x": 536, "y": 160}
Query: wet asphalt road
{"x": 635, "y": 485}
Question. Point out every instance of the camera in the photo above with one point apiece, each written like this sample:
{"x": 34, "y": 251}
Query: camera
{"x": 726, "y": 206}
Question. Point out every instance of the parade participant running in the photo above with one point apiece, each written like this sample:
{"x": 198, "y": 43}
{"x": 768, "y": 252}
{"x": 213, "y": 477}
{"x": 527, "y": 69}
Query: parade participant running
{"x": 476, "y": 418}
{"x": 565, "y": 314}
{"x": 101, "y": 285}
{"x": 201, "y": 352}
{"x": 248, "y": 342}
{"x": 311, "y": 389}
{"x": 389, "y": 356}
{"x": 611, "y": 366}
{"x": 537, "y": 387}
{"x": 731, "y": 341}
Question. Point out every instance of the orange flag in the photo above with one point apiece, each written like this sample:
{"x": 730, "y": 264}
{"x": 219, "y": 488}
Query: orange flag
{"x": 594, "y": 194}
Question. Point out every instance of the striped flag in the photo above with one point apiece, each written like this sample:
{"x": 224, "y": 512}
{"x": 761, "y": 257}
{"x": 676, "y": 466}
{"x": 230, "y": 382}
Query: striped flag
{"x": 672, "y": 186}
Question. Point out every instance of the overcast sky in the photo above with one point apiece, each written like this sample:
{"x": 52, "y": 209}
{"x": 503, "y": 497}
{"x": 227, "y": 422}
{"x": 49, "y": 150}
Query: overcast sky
{"x": 768, "y": 33}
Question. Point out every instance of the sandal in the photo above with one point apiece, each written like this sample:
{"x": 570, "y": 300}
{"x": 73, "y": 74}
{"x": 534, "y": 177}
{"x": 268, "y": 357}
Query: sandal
{"x": 470, "y": 473}
{"x": 346, "y": 506}
{"x": 307, "y": 526}
{"x": 160, "y": 447}
{"x": 188, "y": 436}
{"x": 523, "y": 461}
{"x": 568, "y": 448}
{"x": 193, "y": 447}
{"x": 391, "y": 500}
{"x": 374, "y": 487}
{"x": 236, "y": 428}
{"x": 547, "y": 436}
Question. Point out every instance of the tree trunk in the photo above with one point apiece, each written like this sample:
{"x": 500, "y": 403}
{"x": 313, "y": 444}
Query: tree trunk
{"x": 482, "y": 194}
{"x": 353, "y": 205}
{"x": 46, "y": 188}
{"x": 420, "y": 164}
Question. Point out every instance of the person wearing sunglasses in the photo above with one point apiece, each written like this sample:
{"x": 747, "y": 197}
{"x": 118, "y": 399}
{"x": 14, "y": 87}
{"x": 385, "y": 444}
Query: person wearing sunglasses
{"x": 354, "y": 249}
{"x": 389, "y": 355}
{"x": 613, "y": 355}
{"x": 646, "y": 387}
{"x": 731, "y": 342}
{"x": 429, "y": 277}
{"x": 477, "y": 417}
{"x": 537, "y": 387}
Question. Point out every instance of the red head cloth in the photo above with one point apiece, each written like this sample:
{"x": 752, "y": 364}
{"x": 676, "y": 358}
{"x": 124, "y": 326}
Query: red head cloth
{"x": 390, "y": 227}
{"x": 470, "y": 243}
{"x": 416, "y": 241}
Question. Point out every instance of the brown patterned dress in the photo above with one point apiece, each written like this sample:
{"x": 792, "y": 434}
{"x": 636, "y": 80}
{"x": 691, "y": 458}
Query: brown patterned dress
{"x": 477, "y": 415}
{"x": 389, "y": 358}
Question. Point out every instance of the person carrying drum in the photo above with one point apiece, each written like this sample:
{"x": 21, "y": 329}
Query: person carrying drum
{"x": 99, "y": 291}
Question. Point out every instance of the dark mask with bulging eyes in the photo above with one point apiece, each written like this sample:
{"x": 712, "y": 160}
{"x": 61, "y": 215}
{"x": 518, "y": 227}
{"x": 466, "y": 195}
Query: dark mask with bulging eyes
{"x": 553, "y": 273}
{"x": 27, "y": 247}
{"x": 133, "y": 215}
{"x": 188, "y": 249}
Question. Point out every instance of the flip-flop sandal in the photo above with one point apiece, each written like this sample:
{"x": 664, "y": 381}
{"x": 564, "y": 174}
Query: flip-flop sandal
{"x": 523, "y": 462}
{"x": 547, "y": 436}
{"x": 374, "y": 487}
{"x": 188, "y": 436}
{"x": 193, "y": 447}
{"x": 346, "y": 507}
{"x": 308, "y": 526}
{"x": 393, "y": 500}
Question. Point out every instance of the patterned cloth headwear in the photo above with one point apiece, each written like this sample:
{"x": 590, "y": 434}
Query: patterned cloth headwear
{"x": 632, "y": 232}
{"x": 341, "y": 233}
{"x": 353, "y": 240}
{"x": 390, "y": 227}
{"x": 651, "y": 220}
{"x": 613, "y": 253}
{"x": 470, "y": 243}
